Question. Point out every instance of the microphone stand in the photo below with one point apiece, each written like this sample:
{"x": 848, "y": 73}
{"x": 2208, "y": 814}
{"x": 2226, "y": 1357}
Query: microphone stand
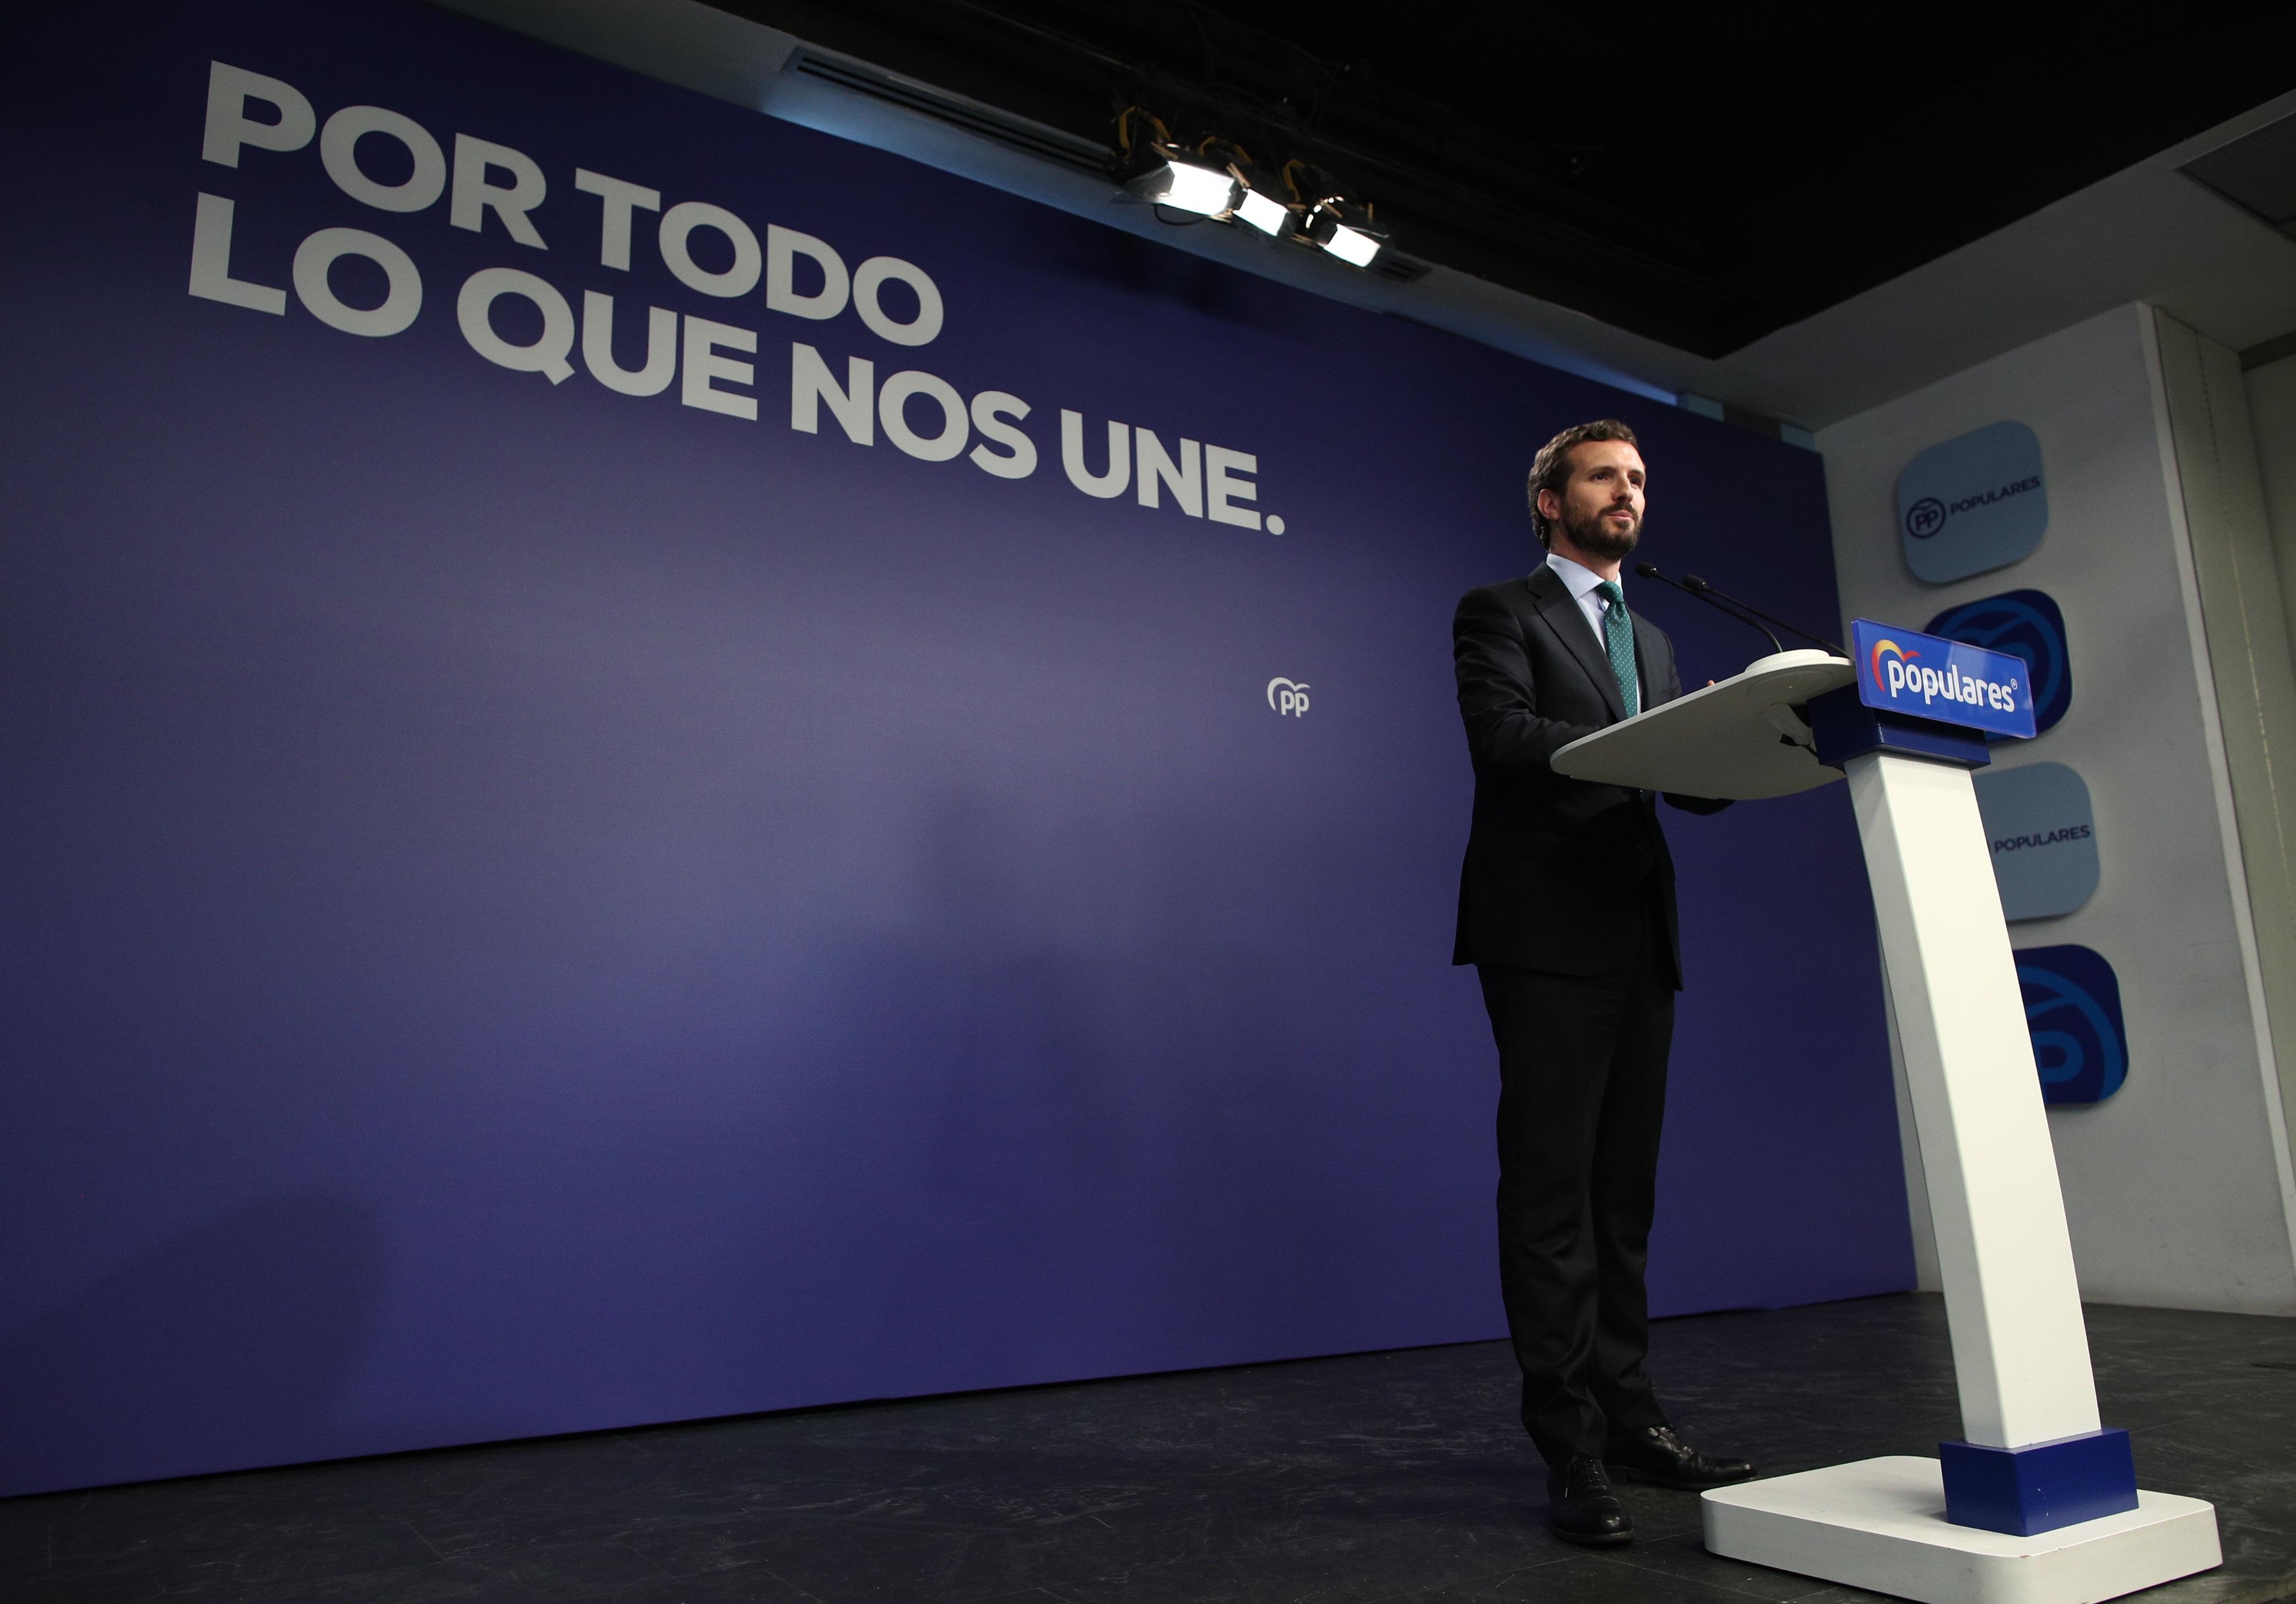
{"x": 1712, "y": 598}
{"x": 1699, "y": 587}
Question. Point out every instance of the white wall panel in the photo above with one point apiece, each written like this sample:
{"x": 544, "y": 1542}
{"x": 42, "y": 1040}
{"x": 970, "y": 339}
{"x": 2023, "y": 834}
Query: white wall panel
{"x": 2177, "y": 1187}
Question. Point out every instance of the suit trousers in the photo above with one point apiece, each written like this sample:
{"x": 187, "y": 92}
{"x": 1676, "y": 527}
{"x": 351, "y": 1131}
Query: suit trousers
{"x": 1582, "y": 1096}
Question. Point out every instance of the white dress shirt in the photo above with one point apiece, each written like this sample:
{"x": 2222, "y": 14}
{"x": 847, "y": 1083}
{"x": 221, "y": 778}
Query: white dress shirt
{"x": 1580, "y": 581}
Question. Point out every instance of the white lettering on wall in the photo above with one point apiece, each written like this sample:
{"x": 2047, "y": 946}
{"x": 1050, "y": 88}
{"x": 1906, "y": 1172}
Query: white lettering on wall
{"x": 1106, "y": 486}
{"x": 619, "y": 200}
{"x": 474, "y": 197}
{"x": 676, "y": 236}
{"x": 474, "y": 311}
{"x": 811, "y": 384}
{"x": 400, "y": 303}
{"x": 211, "y": 277}
{"x": 783, "y": 246}
{"x": 660, "y": 363}
{"x": 892, "y": 413}
{"x": 338, "y": 155}
{"x": 922, "y": 415}
{"x": 704, "y": 368}
{"x": 1224, "y": 487}
{"x": 1185, "y": 476}
{"x": 872, "y": 276}
{"x": 990, "y": 411}
{"x": 229, "y": 127}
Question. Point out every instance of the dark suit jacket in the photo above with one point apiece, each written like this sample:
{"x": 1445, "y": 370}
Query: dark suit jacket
{"x": 1556, "y": 872}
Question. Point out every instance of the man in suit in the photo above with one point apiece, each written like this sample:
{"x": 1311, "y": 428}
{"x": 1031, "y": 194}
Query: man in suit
{"x": 1566, "y": 909}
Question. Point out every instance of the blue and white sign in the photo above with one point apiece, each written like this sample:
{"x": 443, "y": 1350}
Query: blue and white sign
{"x": 2072, "y": 1007}
{"x": 2028, "y": 624}
{"x": 2043, "y": 837}
{"x": 1929, "y": 677}
{"x": 1975, "y": 502}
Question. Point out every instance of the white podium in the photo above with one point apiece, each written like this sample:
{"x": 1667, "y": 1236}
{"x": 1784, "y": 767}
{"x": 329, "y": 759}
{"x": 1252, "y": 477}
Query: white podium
{"x": 2044, "y": 1507}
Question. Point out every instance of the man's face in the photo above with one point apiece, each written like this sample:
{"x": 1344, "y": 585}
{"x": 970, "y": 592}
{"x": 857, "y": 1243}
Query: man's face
{"x": 1600, "y": 511}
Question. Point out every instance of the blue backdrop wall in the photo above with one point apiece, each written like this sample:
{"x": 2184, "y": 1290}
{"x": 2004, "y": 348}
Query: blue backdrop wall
{"x": 534, "y": 907}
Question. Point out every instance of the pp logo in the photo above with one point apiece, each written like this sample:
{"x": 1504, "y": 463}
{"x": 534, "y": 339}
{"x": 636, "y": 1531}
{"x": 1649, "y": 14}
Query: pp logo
{"x": 2072, "y": 1008}
{"x": 1974, "y": 502}
{"x": 1287, "y": 698}
{"x": 2026, "y": 624}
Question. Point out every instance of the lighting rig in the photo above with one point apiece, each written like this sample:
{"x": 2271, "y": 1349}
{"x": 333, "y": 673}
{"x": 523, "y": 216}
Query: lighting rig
{"x": 1216, "y": 179}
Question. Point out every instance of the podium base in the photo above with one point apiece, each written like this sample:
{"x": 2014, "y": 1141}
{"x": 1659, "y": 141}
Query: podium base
{"x": 1880, "y": 1524}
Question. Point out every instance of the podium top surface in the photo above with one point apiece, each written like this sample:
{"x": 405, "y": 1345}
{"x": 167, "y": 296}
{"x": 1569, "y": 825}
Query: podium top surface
{"x": 1738, "y": 738}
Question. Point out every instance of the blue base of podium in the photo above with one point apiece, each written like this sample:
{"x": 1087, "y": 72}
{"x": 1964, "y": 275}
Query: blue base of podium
{"x": 2041, "y": 1487}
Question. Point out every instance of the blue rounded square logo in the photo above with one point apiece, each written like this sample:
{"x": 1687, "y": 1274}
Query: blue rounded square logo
{"x": 2024, "y": 623}
{"x": 2072, "y": 1008}
{"x": 1972, "y": 503}
{"x": 2043, "y": 836}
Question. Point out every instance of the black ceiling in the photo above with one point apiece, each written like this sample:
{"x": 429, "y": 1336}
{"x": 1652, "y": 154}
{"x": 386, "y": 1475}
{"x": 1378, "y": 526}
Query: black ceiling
{"x": 1699, "y": 177}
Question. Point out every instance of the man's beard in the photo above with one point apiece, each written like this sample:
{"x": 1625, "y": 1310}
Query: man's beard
{"x": 1598, "y": 539}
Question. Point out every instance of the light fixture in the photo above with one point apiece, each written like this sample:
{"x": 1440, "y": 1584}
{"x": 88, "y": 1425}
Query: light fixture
{"x": 1354, "y": 246}
{"x": 1186, "y": 186}
{"x": 1215, "y": 177}
{"x": 1351, "y": 246}
{"x": 1269, "y": 217}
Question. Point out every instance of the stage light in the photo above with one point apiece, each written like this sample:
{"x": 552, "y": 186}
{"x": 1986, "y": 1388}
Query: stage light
{"x": 1186, "y": 186}
{"x": 1215, "y": 177}
{"x": 1354, "y": 246}
{"x": 1153, "y": 168}
{"x": 1269, "y": 217}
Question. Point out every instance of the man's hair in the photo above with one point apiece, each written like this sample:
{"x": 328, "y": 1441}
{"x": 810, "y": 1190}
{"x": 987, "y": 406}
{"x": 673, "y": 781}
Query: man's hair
{"x": 1550, "y": 470}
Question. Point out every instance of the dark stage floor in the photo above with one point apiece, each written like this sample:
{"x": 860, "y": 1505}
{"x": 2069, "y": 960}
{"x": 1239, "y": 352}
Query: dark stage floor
{"x": 1381, "y": 1477}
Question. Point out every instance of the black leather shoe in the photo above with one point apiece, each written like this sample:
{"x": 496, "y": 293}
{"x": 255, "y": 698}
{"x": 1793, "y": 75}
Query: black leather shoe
{"x": 1657, "y": 1454}
{"x": 1581, "y": 1508}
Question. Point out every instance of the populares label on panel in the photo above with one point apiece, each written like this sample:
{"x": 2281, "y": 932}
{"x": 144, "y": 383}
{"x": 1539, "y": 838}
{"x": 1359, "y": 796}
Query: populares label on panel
{"x": 2027, "y": 624}
{"x": 2042, "y": 833}
{"x": 1976, "y": 502}
{"x": 2072, "y": 1008}
{"x": 1928, "y": 676}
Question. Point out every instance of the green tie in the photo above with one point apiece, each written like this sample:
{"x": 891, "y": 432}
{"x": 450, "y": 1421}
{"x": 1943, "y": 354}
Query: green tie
{"x": 1619, "y": 641}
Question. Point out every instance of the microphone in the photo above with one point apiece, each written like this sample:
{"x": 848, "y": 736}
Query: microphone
{"x": 1712, "y": 598}
{"x": 1699, "y": 587}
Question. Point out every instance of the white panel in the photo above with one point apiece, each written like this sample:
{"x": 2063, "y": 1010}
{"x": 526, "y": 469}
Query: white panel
{"x": 2172, "y": 1186}
{"x": 2234, "y": 594}
{"x": 2020, "y": 1351}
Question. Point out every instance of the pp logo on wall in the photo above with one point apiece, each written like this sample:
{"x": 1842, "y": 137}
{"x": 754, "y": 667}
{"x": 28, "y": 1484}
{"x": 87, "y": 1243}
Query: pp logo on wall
{"x": 2043, "y": 836}
{"x": 2026, "y": 624}
{"x": 2072, "y": 1008}
{"x": 1972, "y": 503}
